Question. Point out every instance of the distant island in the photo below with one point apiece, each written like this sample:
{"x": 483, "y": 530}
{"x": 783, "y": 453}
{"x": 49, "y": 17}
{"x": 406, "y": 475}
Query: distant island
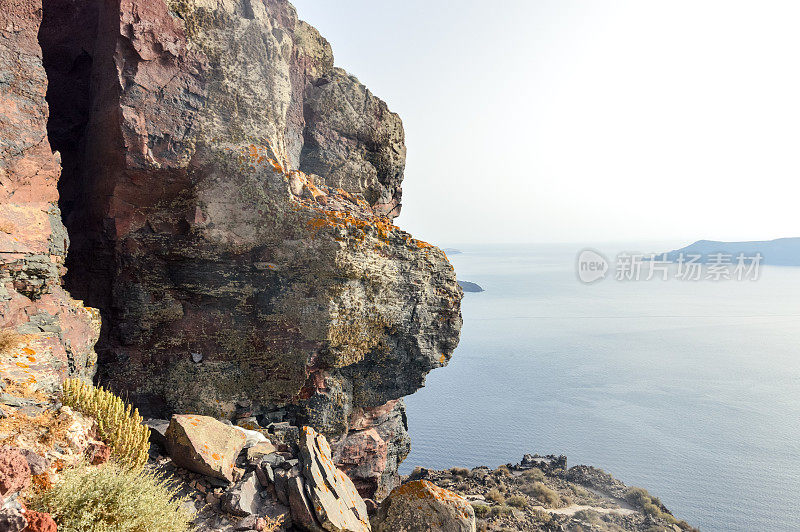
{"x": 778, "y": 252}
{"x": 451, "y": 251}
{"x": 470, "y": 287}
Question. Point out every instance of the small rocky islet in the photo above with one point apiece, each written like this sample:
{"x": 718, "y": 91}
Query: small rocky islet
{"x": 197, "y": 212}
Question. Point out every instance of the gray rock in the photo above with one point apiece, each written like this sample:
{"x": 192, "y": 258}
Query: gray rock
{"x": 36, "y": 462}
{"x": 274, "y": 459}
{"x": 245, "y": 499}
{"x": 336, "y": 502}
{"x": 302, "y": 512}
{"x": 12, "y": 520}
{"x": 242, "y": 499}
{"x": 158, "y": 431}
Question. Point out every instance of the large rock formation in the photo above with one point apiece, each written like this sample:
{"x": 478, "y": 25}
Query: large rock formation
{"x": 230, "y": 195}
{"x": 45, "y": 335}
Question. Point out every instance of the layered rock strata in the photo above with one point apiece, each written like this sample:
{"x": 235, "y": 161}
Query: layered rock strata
{"x": 230, "y": 194}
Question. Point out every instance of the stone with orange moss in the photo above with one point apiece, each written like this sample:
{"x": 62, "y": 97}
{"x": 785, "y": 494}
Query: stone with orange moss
{"x": 204, "y": 445}
{"x": 420, "y": 506}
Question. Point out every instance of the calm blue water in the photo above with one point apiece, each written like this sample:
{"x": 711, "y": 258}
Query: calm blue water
{"x": 691, "y": 390}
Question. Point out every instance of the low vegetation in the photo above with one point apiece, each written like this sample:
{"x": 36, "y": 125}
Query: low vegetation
{"x": 533, "y": 475}
{"x": 495, "y": 496}
{"x": 110, "y": 497}
{"x": 541, "y": 492}
{"x": 120, "y": 428}
{"x": 517, "y": 501}
{"x": 640, "y": 498}
{"x": 10, "y": 340}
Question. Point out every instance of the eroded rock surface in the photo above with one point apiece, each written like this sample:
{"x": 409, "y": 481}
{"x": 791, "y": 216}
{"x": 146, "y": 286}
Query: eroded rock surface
{"x": 45, "y": 335}
{"x": 230, "y": 197}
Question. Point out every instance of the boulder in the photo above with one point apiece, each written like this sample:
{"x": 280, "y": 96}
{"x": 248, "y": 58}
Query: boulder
{"x": 420, "y": 506}
{"x": 204, "y": 445}
{"x": 15, "y": 473}
{"x": 337, "y": 503}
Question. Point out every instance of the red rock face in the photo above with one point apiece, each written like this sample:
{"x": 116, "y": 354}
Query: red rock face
{"x": 15, "y": 474}
{"x": 56, "y": 332}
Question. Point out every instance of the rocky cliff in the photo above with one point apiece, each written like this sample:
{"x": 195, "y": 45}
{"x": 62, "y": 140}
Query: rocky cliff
{"x": 45, "y": 335}
{"x": 229, "y": 197}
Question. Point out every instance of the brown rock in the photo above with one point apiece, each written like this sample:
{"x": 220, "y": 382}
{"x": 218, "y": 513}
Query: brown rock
{"x": 98, "y": 453}
{"x": 39, "y": 522}
{"x": 420, "y": 506}
{"x": 15, "y": 474}
{"x": 204, "y": 445}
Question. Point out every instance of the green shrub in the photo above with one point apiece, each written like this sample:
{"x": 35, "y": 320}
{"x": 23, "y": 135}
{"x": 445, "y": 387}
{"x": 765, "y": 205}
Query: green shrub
{"x": 481, "y": 510}
{"x": 502, "y": 471}
{"x": 590, "y": 516}
{"x": 495, "y": 496}
{"x": 500, "y": 510}
{"x": 542, "y": 493}
{"x": 517, "y": 501}
{"x": 117, "y": 426}
{"x": 533, "y": 475}
{"x": 640, "y": 498}
{"x": 113, "y": 498}
{"x": 460, "y": 471}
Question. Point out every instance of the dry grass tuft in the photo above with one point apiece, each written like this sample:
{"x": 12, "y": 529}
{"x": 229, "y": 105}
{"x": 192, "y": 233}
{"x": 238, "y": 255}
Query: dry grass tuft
{"x": 46, "y": 429}
{"x": 24, "y": 390}
{"x": 10, "y": 339}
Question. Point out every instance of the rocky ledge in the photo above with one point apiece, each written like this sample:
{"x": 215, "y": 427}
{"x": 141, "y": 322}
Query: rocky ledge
{"x": 541, "y": 493}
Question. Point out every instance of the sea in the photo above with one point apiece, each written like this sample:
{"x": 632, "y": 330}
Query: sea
{"x": 688, "y": 388}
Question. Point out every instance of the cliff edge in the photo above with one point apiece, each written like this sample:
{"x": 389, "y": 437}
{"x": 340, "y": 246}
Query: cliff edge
{"x": 229, "y": 195}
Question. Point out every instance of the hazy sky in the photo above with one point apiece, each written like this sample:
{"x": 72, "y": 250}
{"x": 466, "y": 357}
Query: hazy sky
{"x": 584, "y": 120}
